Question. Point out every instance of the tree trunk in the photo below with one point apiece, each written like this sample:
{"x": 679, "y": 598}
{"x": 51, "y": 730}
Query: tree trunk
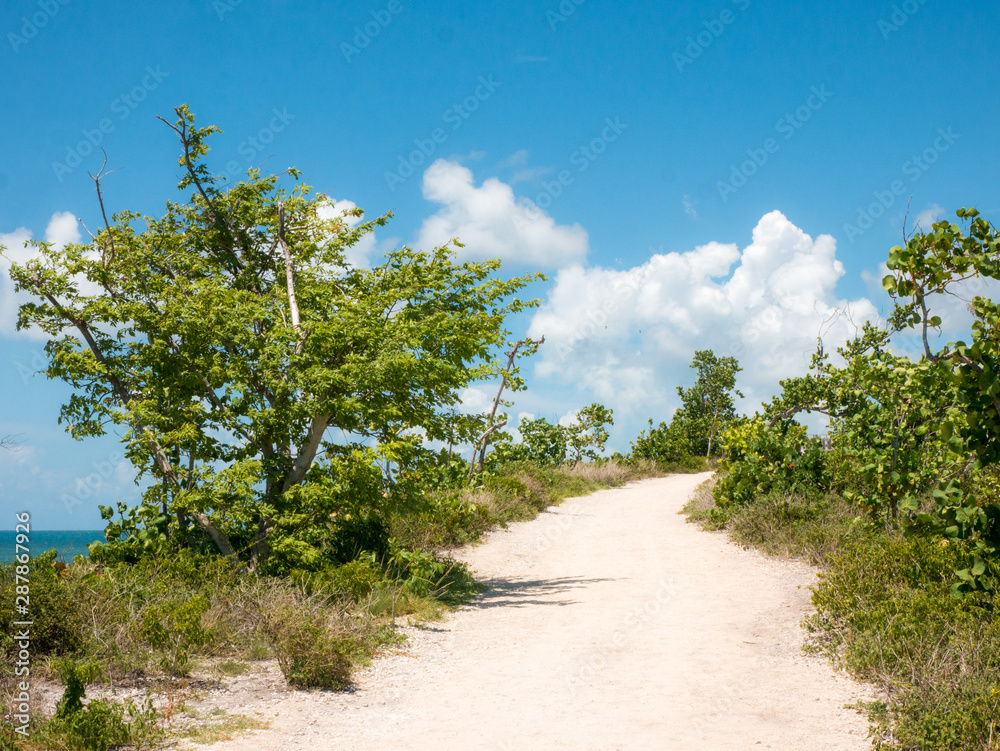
{"x": 711, "y": 438}
{"x": 220, "y": 537}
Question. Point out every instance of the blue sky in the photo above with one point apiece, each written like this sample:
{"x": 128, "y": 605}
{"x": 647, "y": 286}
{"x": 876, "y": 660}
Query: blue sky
{"x": 725, "y": 174}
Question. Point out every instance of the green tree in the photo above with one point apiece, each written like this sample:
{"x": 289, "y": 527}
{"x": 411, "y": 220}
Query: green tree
{"x": 275, "y": 394}
{"x": 936, "y": 264}
{"x": 708, "y": 405}
{"x": 908, "y": 428}
{"x": 664, "y": 443}
{"x": 885, "y": 416}
{"x": 587, "y": 435}
{"x": 546, "y": 442}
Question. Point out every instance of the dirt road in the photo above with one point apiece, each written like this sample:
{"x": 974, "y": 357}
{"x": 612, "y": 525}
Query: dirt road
{"x": 611, "y": 624}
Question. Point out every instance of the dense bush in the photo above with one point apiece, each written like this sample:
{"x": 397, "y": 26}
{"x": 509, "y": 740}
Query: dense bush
{"x": 887, "y": 610}
{"x": 762, "y": 459}
{"x": 546, "y": 442}
{"x": 57, "y": 610}
{"x": 314, "y": 643}
{"x": 663, "y": 443}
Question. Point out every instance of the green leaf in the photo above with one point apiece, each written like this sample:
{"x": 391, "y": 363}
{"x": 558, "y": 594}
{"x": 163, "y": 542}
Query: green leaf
{"x": 979, "y": 566}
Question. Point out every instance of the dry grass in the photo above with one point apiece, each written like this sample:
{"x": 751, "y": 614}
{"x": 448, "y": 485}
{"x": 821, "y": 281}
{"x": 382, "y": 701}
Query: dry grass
{"x": 793, "y": 526}
{"x": 501, "y": 506}
{"x": 223, "y": 727}
{"x": 605, "y": 473}
{"x": 701, "y": 502}
{"x": 780, "y": 524}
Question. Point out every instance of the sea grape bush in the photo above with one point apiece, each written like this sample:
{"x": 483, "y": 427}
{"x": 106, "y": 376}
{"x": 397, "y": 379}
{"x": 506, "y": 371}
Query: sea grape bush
{"x": 910, "y": 434}
{"x": 763, "y": 458}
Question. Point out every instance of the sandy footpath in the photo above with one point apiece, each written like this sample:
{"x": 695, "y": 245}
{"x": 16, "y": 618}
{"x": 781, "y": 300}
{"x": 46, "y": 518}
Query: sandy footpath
{"x": 611, "y": 623}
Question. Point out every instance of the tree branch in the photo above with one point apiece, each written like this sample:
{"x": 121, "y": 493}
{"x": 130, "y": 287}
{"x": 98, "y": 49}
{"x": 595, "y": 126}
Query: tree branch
{"x": 481, "y": 440}
{"x": 220, "y": 538}
{"x": 787, "y": 413}
{"x": 307, "y": 452}
{"x": 105, "y": 260}
{"x": 293, "y": 302}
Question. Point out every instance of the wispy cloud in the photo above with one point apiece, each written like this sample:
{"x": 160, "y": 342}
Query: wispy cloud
{"x": 517, "y": 159}
{"x": 530, "y": 175}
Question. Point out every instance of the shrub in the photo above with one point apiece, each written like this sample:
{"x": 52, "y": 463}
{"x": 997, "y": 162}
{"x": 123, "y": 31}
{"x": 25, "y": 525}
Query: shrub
{"x": 688, "y": 465}
{"x": 506, "y": 485}
{"x": 888, "y": 612}
{"x": 59, "y": 624}
{"x": 99, "y": 724}
{"x": 313, "y": 645}
{"x": 357, "y": 578}
{"x": 761, "y": 458}
{"x": 665, "y": 444}
{"x": 811, "y": 527}
{"x": 174, "y": 626}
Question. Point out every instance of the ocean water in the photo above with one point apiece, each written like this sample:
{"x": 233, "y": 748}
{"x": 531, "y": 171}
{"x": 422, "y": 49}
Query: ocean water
{"x": 68, "y": 542}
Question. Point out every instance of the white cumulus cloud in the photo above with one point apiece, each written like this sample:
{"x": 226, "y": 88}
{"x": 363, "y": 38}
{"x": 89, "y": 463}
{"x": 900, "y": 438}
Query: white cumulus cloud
{"x": 62, "y": 230}
{"x": 368, "y": 249}
{"x": 627, "y": 336}
{"x": 492, "y": 223}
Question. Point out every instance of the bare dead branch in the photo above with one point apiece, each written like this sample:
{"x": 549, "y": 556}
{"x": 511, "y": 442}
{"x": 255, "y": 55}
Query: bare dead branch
{"x": 105, "y": 260}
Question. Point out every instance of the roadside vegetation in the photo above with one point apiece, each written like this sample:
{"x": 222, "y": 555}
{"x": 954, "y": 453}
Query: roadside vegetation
{"x": 153, "y": 621}
{"x": 903, "y": 514}
{"x": 296, "y": 422}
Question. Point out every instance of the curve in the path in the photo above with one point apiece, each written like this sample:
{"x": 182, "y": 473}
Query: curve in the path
{"x": 610, "y": 624}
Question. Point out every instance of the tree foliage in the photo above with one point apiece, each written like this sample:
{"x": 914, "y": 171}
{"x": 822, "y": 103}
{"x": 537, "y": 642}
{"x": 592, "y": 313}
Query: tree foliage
{"x": 587, "y": 434}
{"x": 552, "y": 444}
{"x": 663, "y": 443}
{"x": 545, "y": 441}
{"x": 259, "y": 379}
{"x": 911, "y": 430}
{"x": 708, "y": 405}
